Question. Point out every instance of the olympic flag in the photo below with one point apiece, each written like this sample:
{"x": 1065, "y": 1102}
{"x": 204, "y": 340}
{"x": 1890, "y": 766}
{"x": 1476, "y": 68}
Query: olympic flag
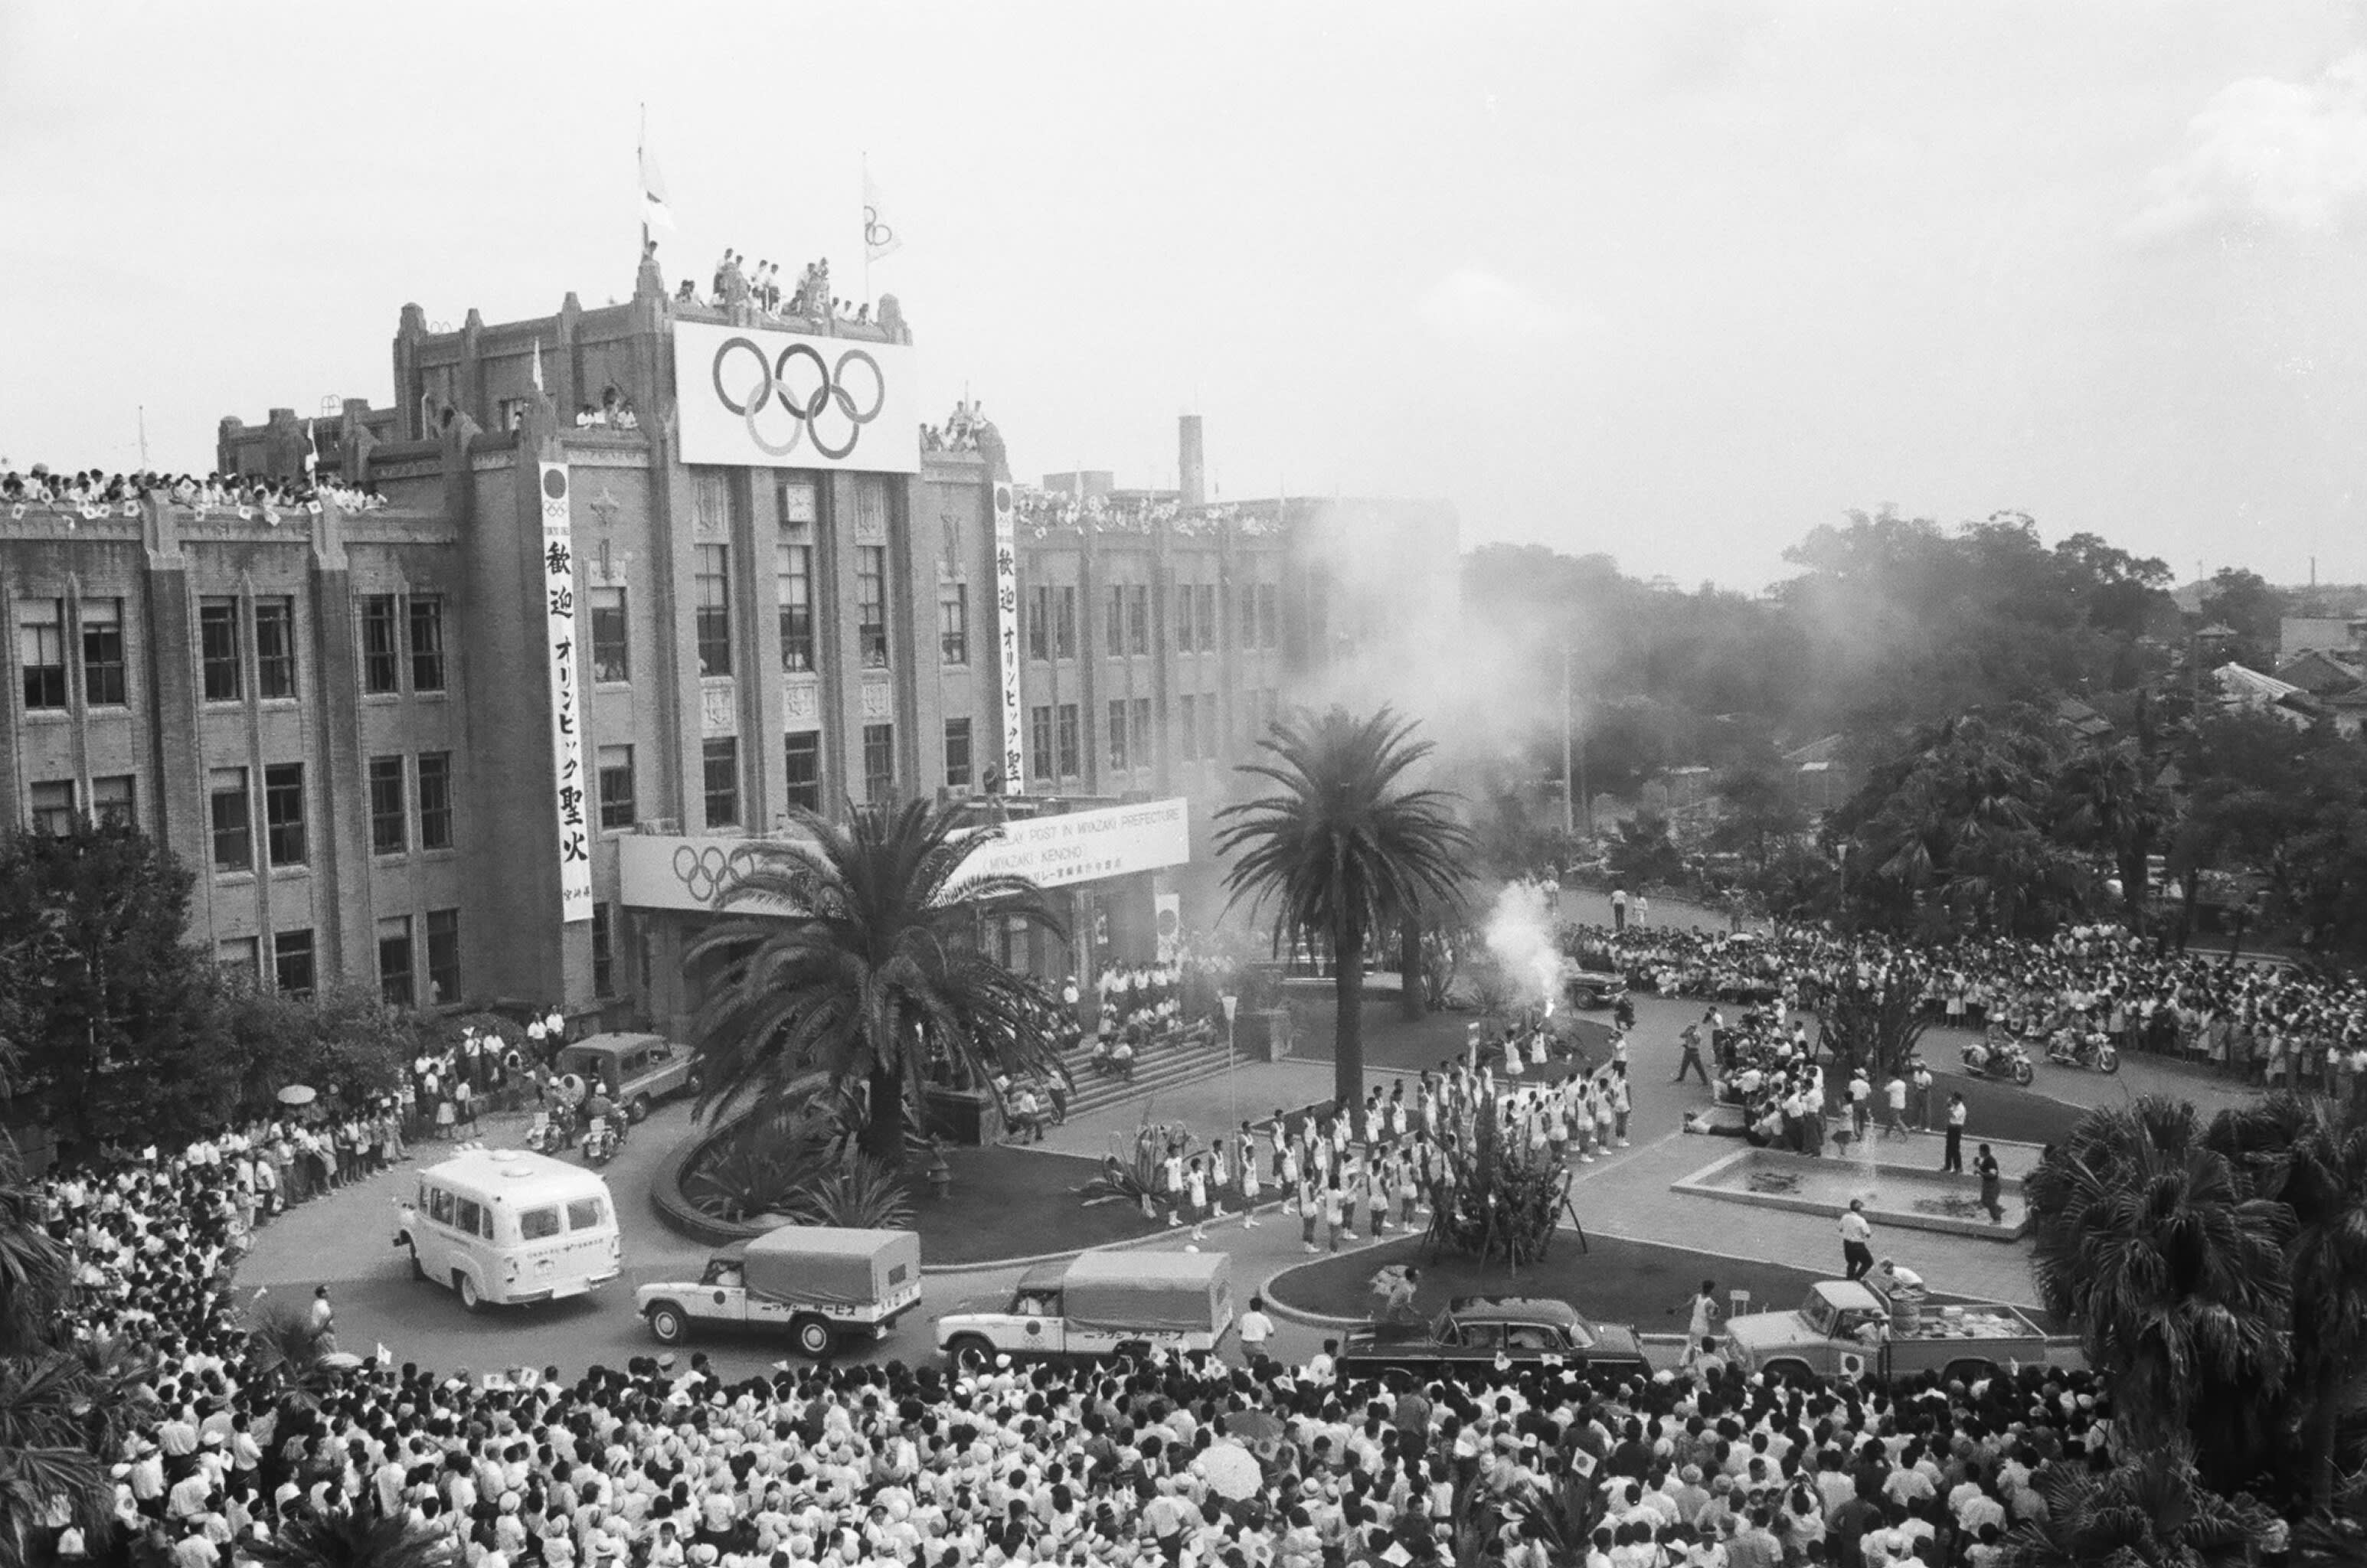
{"x": 571, "y": 794}
{"x": 757, "y": 397}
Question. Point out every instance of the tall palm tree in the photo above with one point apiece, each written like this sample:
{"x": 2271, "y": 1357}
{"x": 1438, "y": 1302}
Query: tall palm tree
{"x": 2154, "y": 1513}
{"x": 1343, "y": 849}
{"x": 856, "y": 954}
{"x": 2310, "y": 1154}
{"x": 2115, "y": 805}
{"x": 346, "y": 1539}
{"x": 2156, "y": 1247}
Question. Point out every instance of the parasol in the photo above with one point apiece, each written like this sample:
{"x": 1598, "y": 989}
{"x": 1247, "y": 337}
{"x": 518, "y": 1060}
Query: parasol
{"x": 296, "y": 1094}
{"x": 342, "y": 1360}
{"x": 1255, "y": 1427}
{"x": 1232, "y": 1470}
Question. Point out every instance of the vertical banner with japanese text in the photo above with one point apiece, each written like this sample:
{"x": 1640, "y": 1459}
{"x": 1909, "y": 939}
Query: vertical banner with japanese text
{"x": 1006, "y": 636}
{"x": 558, "y": 619}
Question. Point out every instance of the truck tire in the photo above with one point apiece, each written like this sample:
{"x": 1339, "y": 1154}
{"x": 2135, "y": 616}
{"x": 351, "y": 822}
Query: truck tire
{"x": 471, "y": 1299}
{"x": 969, "y": 1347}
{"x": 1797, "y": 1370}
{"x": 813, "y": 1337}
{"x": 418, "y": 1270}
{"x": 667, "y": 1324}
{"x": 637, "y": 1109}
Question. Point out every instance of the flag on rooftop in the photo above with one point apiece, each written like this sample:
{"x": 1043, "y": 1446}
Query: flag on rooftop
{"x": 654, "y": 211}
{"x": 880, "y": 236}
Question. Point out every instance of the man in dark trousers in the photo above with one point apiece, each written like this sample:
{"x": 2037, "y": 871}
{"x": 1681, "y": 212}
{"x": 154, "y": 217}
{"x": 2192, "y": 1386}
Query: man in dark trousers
{"x": 1857, "y": 1242}
{"x": 1693, "y": 1059}
{"x": 1954, "y": 1160}
{"x": 1985, "y": 1165}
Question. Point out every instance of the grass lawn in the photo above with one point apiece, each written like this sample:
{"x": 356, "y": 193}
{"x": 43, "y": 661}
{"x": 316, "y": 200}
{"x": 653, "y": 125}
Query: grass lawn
{"x": 1393, "y": 1041}
{"x": 2001, "y": 1110}
{"x": 1613, "y": 1282}
{"x": 1011, "y": 1202}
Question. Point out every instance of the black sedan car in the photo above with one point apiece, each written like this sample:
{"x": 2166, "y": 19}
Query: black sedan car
{"x": 1469, "y": 1338}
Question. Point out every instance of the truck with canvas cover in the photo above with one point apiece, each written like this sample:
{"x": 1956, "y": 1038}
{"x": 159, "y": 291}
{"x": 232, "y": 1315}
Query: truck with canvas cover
{"x": 1101, "y": 1304}
{"x": 1855, "y": 1327}
{"x": 820, "y": 1282}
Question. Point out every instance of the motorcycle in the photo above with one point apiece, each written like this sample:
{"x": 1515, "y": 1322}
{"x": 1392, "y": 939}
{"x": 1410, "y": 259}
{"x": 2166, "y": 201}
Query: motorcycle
{"x": 602, "y": 1141}
{"x": 2070, "y": 1050}
{"x": 2001, "y": 1059}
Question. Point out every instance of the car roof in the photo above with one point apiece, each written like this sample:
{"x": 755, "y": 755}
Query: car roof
{"x": 1523, "y": 1309}
{"x": 613, "y": 1044}
{"x": 1849, "y": 1295}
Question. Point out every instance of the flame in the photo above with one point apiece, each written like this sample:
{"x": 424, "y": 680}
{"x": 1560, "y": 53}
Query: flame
{"x": 1548, "y": 977}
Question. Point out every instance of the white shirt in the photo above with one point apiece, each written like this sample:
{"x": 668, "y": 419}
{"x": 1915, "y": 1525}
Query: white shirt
{"x": 1256, "y": 1327}
{"x": 1855, "y": 1227}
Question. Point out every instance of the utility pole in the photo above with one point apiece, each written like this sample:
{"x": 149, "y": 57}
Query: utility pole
{"x": 1569, "y": 777}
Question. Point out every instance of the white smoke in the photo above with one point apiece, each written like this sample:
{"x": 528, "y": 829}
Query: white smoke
{"x": 1520, "y": 933}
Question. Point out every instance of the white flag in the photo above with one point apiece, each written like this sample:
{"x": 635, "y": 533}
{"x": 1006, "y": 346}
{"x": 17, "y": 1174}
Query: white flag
{"x": 654, "y": 211}
{"x": 880, "y": 237}
{"x": 537, "y": 365}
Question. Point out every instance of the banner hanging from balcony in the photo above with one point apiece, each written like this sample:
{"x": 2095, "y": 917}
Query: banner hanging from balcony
{"x": 1085, "y": 846}
{"x": 755, "y": 397}
{"x": 558, "y": 620}
{"x": 1006, "y": 635}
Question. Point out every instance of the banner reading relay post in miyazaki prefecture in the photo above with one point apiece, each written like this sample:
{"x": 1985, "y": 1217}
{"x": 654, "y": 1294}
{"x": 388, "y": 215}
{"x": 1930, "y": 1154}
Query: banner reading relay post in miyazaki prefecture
{"x": 757, "y": 397}
{"x": 1084, "y": 846}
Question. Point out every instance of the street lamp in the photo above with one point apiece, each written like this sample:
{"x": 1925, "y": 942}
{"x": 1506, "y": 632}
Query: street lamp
{"x": 1232, "y": 1091}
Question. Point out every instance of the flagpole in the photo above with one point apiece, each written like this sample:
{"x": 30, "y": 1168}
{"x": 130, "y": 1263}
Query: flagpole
{"x": 640, "y": 152}
{"x": 864, "y": 168}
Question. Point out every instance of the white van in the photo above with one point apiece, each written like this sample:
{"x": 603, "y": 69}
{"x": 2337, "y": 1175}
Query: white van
{"x": 511, "y": 1226}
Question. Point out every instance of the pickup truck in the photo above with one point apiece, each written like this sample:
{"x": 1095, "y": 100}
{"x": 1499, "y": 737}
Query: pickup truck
{"x": 821, "y": 1283}
{"x": 1852, "y": 1328}
{"x": 1466, "y": 1340}
{"x": 1099, "y": 1304}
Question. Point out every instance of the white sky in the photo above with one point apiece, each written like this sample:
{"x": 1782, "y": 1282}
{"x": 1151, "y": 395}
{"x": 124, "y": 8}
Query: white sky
{"x": 1675, "y": 281}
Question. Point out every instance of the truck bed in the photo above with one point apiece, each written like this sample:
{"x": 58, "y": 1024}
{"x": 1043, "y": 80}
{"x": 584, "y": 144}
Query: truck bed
{"x": 1975, "y": 1321}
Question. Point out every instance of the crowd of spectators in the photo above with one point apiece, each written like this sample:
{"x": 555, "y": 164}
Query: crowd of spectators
{"x": 2270, "y": 1024}
{"x": 664, "y": 1464}
{"x": 737, "y": 282}
{"x": 1040, "y": 511}
{"x": 93, "y": 493}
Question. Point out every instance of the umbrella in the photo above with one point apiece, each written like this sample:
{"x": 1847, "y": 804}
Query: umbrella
{"x": 1232, "y": 1470}
{"x": 296, "y": 1094}
{"x": 1253, "y": 1427}
{"x": 342, "y": 1360}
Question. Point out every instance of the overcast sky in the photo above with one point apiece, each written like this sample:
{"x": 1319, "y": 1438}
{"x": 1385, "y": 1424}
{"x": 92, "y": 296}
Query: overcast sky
{"x": 1674, "y": 281}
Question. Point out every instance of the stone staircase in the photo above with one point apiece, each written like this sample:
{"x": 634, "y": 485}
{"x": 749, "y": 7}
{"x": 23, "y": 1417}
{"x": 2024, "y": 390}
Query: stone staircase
{"x": 1158, "y": 1069}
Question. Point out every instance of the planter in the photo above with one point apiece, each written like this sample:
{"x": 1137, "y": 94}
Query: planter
{"x": 965, "y": 1116}
{"x": 1264, "y": 1035}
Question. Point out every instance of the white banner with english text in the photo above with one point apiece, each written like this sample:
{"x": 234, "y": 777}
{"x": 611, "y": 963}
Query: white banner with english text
{"x": 757, "y": 396}
{"x": 1084, "y": 846}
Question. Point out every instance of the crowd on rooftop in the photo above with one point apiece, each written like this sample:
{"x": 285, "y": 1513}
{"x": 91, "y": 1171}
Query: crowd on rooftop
{"x": 94, "y": 493}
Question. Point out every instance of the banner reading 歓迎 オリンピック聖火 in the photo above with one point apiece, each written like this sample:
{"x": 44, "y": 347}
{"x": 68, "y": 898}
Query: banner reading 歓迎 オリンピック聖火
{"x": 758, "y": 397}
{"x": 559, "y": 620}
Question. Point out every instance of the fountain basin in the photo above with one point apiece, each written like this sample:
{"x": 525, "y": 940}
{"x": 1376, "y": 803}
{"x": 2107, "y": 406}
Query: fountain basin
{"x": 1907, "y": 1197}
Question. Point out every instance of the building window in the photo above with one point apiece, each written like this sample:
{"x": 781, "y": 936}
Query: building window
{"x": 793, "y": 576}
{"x": 426, "y": 643}
{"x": 1269, "y": 615}
{"x": 114, "y": 800}
{"x": 1206, "y": 739}
{"x": 1114, "y": 621}
{"x": 1039, "y": 728}
{"x": 1137, "y": 731}
{"x": 801, "y": 758}
{"x": 1039, "y": 623}
{"x": 395, "y": 983}
{"x": 382, "y": 662}
{"x": 612, "y": 642}
{"x": 390, "y": 822}
{"x": 240, "y": 959}
{"x": 878, "y": 762}
{"x": 1117, "y": 735}
{"x": 1187, "y": 735}
{"x": 871, "y": 604}
{"x": 1184, "y": 642}
{"x": 53, "y": 808}
{"x": 275, "y": 647}
{"x": 234, "y": 819}
{"x": 41, "y": 649}
{"x": 1071, "y": 742}
{"x": 283, "y": 813}
{"x": 1138, "y": 618}
{"x": 604, "y": 950}
{"x": 953, "y": 623}
{"x": 712, "y": 582}
{"x": 722, "y": 763}
{"x": 958, "y": 763}
{"x": 102, "y": 653}
{"x": 443, "y": 956}
{"x": 1205, "y": 597}
{"x": 435, "y": 800}
{"x": 218, "y": 647}
{"x": 291, "y": 962}
{"x": 616, "y": 786}
{"x": 1064, "y": 624}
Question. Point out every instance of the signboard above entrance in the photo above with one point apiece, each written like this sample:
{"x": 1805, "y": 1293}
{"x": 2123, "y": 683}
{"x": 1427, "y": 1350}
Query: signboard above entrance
{"x": 1084, "y": 846}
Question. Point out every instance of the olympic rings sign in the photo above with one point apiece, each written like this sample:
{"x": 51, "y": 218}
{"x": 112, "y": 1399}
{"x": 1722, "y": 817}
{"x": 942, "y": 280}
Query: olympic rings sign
{"x": 757, "y": 396}
{"x": 705, "y": 870}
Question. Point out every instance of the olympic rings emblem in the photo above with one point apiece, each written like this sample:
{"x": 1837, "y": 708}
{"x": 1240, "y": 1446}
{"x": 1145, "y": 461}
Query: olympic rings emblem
{"x": 829, "y": 395}
{"x": 704, "y": 872}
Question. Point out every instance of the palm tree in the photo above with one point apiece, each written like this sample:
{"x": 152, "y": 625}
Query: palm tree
{"x": 856, "y": 954}
{"x": 345, "y": 1538}
{"x": 2156, "y": 1247}
{"x": 2310, "y": 1154}
{"x": 2115, "y": 805}
{"x": 2154, "y": 1513}
{"x": 1342, "y": 850}
{"x": 291, "y": 1354}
